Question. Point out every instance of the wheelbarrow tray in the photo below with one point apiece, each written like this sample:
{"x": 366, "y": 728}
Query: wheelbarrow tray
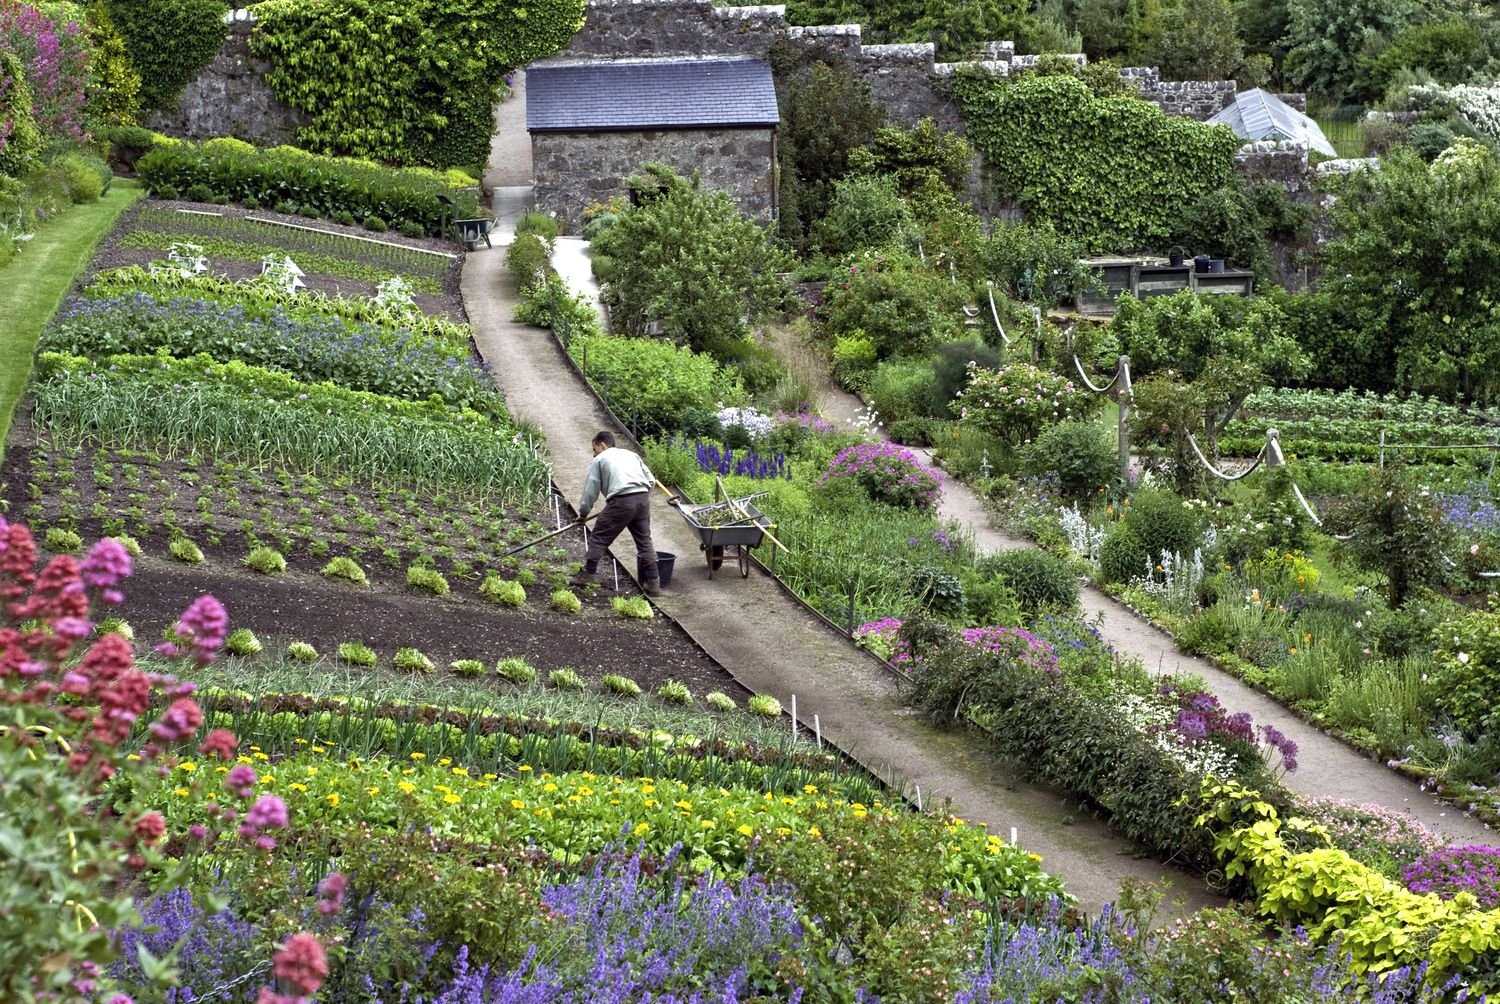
{"x": 738, "y": 531}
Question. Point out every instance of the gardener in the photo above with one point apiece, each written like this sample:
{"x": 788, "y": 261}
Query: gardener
{"x": 625, "y": 482}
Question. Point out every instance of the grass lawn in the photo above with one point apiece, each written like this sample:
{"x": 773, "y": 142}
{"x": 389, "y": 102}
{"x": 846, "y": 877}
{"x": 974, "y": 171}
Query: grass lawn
{"x": 36, "y": 280}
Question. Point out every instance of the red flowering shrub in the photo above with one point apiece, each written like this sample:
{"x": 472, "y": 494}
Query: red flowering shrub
{"x": 68, "y": 708}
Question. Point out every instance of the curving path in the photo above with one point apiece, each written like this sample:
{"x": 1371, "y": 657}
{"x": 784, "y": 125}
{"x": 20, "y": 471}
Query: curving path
{"x": 774, "y": 646}
{"x": 1328, "y": 768}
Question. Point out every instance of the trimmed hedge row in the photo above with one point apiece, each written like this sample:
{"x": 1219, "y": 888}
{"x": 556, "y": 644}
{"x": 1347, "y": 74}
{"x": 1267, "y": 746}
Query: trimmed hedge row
{"x": 333, "y": 187}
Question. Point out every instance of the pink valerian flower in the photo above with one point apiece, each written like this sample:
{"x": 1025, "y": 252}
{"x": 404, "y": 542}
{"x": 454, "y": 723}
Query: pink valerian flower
{"x": 269, "y": 813}
{"x": 300, "y": 964}
{"x": 241, "y": 781}
{"x": 181, "y": 720}
{"x": 150, "y": 827}
{"x": 331, "y": 893}
{"x": 1017, "y": 643}
{"x": 220, "y": 743}
{"x": 105, "y": 566}
{"x": 200, "y": 631}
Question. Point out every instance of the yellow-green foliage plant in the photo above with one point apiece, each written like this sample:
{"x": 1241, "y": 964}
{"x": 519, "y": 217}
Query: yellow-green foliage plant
{"x": 1380, "y": 924}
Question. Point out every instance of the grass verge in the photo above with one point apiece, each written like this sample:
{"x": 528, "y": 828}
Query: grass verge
{"x": 37, "y": 279}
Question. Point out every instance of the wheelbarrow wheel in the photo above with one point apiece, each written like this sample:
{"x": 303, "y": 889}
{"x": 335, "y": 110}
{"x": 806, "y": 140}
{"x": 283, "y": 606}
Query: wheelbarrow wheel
{"x": 715, "y": 558}
{"x": 744, "y": 562}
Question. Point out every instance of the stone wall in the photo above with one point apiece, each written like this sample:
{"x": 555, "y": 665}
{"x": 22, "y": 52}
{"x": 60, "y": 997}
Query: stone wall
{"x": 572, "y": 169}
{"x": 1282, "y": 161}
{"x": 1191, "y": 99}
{"x": 231, "y": 97}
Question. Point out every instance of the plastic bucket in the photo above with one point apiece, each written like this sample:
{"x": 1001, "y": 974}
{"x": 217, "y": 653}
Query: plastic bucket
{"x": 1216, "y": 264}
{"x": 1176, "y": 258}
{"x": 1200, "y": 263}
{"x": 665, "y": 561}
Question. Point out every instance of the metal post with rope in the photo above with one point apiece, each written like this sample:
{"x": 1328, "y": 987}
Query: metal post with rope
{"x": 1122, "y": 392}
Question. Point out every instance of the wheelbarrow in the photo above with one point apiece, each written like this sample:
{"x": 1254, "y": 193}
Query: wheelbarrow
{"x": 721, "y": 526}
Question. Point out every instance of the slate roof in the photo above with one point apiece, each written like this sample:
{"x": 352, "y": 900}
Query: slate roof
{"x": 650, "y": 94}
{"x": 1259, "y": 114}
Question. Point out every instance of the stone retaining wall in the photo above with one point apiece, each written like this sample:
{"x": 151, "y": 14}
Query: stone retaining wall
{"x": 230, "y": 97}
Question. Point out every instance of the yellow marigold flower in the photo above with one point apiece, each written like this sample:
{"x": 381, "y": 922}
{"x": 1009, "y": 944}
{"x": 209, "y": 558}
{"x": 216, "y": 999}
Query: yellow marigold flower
{"x": 181, "y": 792}
{"x": 300, "y": 741}
{"x": 648, "y": 780}
{"x": 820, "y": 805}
{"x": 221, "y": 769}
{"x": 788, "y": 800}
{"x": 261, "y": 756}
{"x": 524, "y": 768}
{"x": 137, "y": 756}
{"x": 544, "y": 813}
{"x": 992, "y": 839}
{"x": 614, "y": 801}
{"x": 188, "y": 766}
{"x": 407, "y": 787}
{"x": 254, "y": 748}
{"x": 782, "y": 831}
{"x": 333, "y": 799}
{"x": 746, "y": 829}
{"x": 419, "y": 756}
{"x": 856, "y": 805}
{"x": 372, "y": 790}
{"x": 647, "y": 789}
{"x": 641, "y": 829}
{"x": 707, "y": 824}
{"x": 546, "y": 773}
{"x": 516, "y": 803}
{"x": 442, "y": 787}
{"x": 810, "y": 789}
{"x": 1035, "y": 857}
{"x": 238, "y": 759}
{"x": 452, "y": 799}
{"x": 574, "y": 798}
{"x": 408, "y": 772}
{"x": 813, "y": 831}
{"x": 319, "y": 749}
{"x": 491, "y": 777}
{"x": 268, "y": 779}
{"x": 459, "y": 772}
{"x": 585, "y": 790}
{"x": 991, "y": 849}
{"x": 684, "y": 804}
{"x": 312, "y": 772}
{"x": 445, "y": 761}
{"x": 651, "y": 803}
{"x": 549, "y": 786}
{"x": 860, "y": 813}
{"x": 297, "y": 787}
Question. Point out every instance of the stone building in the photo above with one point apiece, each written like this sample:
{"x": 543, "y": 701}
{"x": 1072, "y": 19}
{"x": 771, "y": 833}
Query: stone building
{"x": 595, "y": 122}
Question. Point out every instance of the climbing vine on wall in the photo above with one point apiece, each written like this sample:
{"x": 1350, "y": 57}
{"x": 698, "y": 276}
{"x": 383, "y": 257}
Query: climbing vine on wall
{"x": 169, "y": 42}
{"x": 1114, "y": 172}
{"x": 404, "y": 81}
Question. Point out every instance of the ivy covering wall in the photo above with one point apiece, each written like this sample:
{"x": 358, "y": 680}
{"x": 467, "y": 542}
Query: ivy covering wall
{"x": 404, "y": 81}
{"x": 168, "y": 42}
{"x": 1115, "y": 172}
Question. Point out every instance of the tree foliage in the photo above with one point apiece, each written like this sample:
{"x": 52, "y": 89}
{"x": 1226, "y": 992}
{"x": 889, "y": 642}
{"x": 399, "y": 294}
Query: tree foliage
{"x": 1415, "y": 256}
{"x": 827, "y": 113}
{"x": 689, "y": 260}
{"x": 1116, "y": 173}
{"x": 1199, "y": 41}
{"x": 404, "y": 81}
{"x": 1326, "y": 39}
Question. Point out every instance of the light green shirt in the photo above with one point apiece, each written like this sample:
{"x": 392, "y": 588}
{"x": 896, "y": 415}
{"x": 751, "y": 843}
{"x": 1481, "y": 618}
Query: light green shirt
{"x": 614, "y": 472}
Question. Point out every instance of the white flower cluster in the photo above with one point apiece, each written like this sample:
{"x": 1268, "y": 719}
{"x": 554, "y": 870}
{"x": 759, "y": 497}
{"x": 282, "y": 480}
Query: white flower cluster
{"x": 1084, "y": 539}
{"x": 753, "y": 422}
{"x": 1480, "y": 106}
{"x": 1180, "y": 579}
{"x": 1153, "y": 719}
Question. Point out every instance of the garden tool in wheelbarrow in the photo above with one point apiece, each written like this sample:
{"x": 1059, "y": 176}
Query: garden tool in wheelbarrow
{"x": 548, "y": 536}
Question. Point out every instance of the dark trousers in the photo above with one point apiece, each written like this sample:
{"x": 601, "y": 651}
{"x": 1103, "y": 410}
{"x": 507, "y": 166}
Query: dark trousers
{"x": 624, "y": 512}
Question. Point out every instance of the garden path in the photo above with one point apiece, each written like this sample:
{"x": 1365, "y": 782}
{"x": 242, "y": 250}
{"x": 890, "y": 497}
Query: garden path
{"x": 508, "y": 174}
{"x": 773, "y": 645}
{"x": 1327, "y": 767}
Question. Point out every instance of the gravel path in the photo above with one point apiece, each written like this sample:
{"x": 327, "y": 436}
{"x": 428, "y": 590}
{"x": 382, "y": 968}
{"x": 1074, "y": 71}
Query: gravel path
{"x": 773, "y": 645}
{"x": 1327, "y": 767}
